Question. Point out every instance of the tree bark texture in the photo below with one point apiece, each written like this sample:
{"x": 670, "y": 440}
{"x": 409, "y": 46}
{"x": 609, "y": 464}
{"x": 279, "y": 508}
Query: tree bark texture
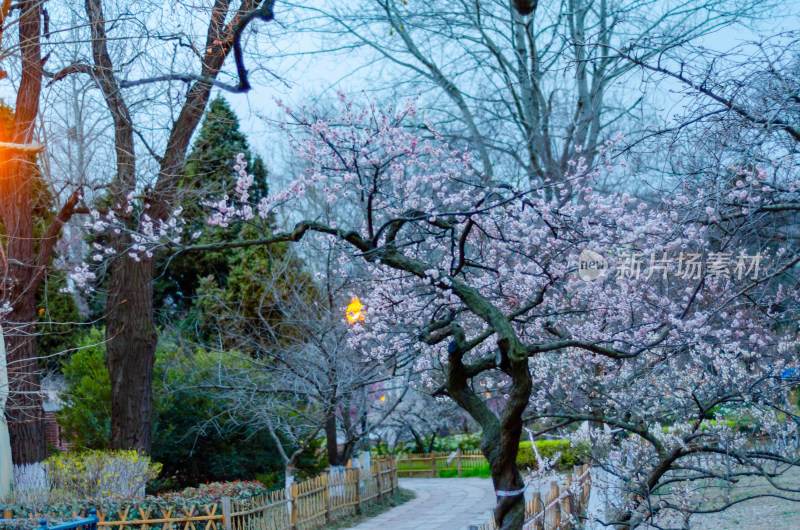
{"x": 500, "y": 438}
{"x": 130, "y": 328}
{"x": 24, "y": 407}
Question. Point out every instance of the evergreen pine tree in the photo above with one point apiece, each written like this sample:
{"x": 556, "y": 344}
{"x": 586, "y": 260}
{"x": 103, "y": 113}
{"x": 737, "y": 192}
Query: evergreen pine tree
{"x": 209, "y": 169}
{"x": 213, "y": 154}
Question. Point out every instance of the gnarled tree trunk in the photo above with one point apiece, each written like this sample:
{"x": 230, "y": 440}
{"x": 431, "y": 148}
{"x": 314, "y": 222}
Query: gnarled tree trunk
{"x": 24, "y": 406}
{"x": 501, "y": 436}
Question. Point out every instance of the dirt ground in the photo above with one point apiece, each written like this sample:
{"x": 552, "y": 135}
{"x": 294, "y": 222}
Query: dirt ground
{"x": 764, "y": 513}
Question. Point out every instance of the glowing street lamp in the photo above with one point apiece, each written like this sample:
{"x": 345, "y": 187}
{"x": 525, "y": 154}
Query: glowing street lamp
{"x": 355, "y": 311}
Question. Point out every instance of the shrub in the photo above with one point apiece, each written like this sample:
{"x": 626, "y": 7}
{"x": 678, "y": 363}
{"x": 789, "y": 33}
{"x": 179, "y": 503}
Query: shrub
{"x": 190, "y": 452}
{"x": 64, "y": 507}
{"x": 214, "y": 491}
{"x": 101, "y": 474}
{"x": 526, "y": 458}
{"x": 86, "y": 416}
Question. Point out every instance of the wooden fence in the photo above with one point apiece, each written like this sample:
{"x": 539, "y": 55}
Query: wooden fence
{"x": 560, "y": 506}
{"x": 317, "y": 502}
{"x": 310, "y": 504}
{"x": 430, "y": 464}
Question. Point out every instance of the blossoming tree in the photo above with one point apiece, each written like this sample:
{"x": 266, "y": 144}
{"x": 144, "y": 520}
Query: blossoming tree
{"x": 639, "y": 319}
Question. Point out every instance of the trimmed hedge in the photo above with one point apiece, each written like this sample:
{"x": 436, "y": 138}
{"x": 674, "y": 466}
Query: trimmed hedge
{"x": 526, "y": 458}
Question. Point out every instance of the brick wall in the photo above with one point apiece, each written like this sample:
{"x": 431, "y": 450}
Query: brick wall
{"x": 53, "y": 431}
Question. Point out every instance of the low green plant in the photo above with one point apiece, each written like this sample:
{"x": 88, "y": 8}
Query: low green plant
{"x": 271, "y": 480}
{"x": 568, "y": 456}
{"x": 465, "y": 442}
{"x": 212, "y": 492}
{"x": 481, "y": 471}
{"x": 62, "y": 504}
{"x": 101, "y": 474}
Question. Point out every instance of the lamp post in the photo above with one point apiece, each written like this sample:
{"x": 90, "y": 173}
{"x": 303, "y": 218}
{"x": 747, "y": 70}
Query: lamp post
{"x": 355, "y": 314}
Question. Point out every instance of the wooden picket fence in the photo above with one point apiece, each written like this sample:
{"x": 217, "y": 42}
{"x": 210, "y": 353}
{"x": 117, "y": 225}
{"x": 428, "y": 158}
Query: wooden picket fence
{"x": 430, "y": 464}
{"x": 315, "y": 503}
{"x": 310, "y": 504}
{"x": 560, "y": 506}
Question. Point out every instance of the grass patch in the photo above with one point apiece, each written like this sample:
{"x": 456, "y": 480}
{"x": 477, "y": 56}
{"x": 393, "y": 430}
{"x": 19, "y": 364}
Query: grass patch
{"x": 397, "y": 498}
{"x": 480, "y": 472}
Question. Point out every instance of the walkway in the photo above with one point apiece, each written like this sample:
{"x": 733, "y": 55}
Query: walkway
{"x": 447, "y": 504}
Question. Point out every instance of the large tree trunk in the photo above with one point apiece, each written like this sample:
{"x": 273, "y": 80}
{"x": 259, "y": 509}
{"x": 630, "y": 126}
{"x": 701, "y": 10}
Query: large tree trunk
{"x": 330, "y": 441}
{"x": 500, "y": 438}
{"x": 130, "y": 330}
{"x": 500, "y": 449}
{"x": 24, "y": 407}
{"x": 130, "y": 352}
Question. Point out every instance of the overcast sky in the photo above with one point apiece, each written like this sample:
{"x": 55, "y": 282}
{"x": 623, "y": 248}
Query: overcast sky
{"x": 306, "y": 75}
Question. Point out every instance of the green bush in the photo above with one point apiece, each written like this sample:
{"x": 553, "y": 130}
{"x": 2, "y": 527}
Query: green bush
{"x": 101, "y": 474}
{"x": 86, "y": 415}
{"x": 526, "y": 458}
{"x": 191, "y": 451}
{"x": 62, "y": 509}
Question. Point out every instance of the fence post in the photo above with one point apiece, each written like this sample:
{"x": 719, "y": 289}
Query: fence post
{"x": 226, "y": 513}
{"x": 569, "y": 501}
{"x": 458, "y": 461}
{"x": 557, "y": 506}
{"x": 295, "y": 506}
{"x": 576, "y": 474}
{"x": 410, "y": 465}
{"x": 551, "y": 512}
{"x": 538, "y": 506}
{"x": 93, "y": 515}
{"x": 358, "y": 488}
{"x": 587, "y": 483}
{"x": 433, "y": 460}
{"x": 326, "y": 495}
{"x": 378, "y": 481}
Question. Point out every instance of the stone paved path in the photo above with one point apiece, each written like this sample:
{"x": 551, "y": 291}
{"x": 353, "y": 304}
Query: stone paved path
{"x": 440, "y": 504}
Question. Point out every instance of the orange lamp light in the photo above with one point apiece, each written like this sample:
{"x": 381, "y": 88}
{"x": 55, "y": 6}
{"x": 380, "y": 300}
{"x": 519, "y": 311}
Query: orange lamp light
{"x": 355, "y": 311}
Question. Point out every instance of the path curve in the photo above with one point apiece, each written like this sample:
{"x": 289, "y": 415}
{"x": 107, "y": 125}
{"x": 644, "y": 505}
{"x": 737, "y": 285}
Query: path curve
{"x": 440, "y": 504}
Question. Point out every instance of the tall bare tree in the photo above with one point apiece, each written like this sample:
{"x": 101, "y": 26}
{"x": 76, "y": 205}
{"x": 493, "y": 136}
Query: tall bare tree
{"x": 26, "y": 256}
{"x": 294, "y": 374}
{"x": 525, "y": 85}
{"x": 130, "y": 325}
